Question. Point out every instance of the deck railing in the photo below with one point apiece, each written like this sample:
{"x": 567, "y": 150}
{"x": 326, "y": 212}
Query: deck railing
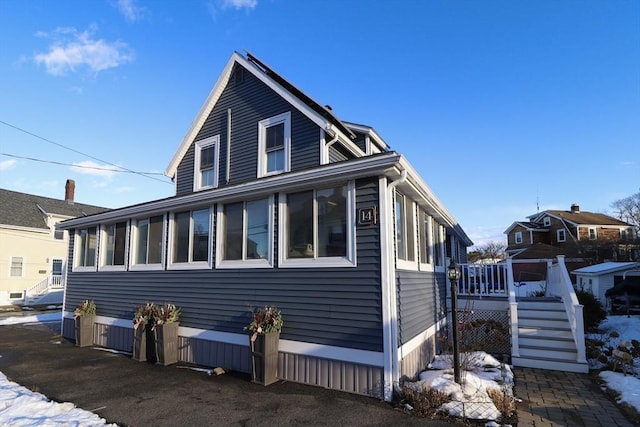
{"x": 482, "y": 280}
{"x": 53, "y": 281}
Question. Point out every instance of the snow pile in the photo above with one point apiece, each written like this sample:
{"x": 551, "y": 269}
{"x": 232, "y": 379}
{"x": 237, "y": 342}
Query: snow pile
{"x": 469, "y": 399}
{"x": 35, "y": 318}
{"x": 20, "y": 406}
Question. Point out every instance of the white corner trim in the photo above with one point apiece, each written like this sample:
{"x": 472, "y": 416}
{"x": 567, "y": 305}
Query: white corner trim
{"x": 423, "y": 336}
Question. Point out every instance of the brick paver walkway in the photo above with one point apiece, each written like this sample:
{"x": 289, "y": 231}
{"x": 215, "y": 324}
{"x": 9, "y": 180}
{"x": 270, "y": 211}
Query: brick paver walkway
{"x": 553, "y": 398}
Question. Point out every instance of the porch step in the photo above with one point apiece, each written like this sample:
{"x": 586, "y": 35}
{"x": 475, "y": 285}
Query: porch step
{"x": 552, "y": 353}
{"x": 546, "y": 342}
{"x": 543, "y": 304}
{"x": 542, "y": 313}
{"x": 542, "y": 322}
{"x": 550, "y": 364}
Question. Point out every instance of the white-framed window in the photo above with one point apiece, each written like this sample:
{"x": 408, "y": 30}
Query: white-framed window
{"x": 245, "y": 234}
{"x": 113, "y": 246}
{"x": 624, "y": 235}
{"x": 317, "y": 228}
{"x": 190, "y": 241}
{"x": 86, "y": 245}
{"x": 561, "y": 235}
{"x": 425, "y": 239}
{"x": 405, "y": 225}
{"x": 547, "y": 221}
{"x": 207, "y": 153}
{"x": 438, "y": 236}
{"x": 593, "y": 233}
{"x": 148, "y": 237}
{"x": 16, "y": 266}
{"x": 518, "y": 237}
{"x": 274, "y": 145}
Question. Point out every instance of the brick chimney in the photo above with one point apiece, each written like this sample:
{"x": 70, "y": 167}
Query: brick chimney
{"x": 575, "y": 208}
{"x": 69, "y": 191}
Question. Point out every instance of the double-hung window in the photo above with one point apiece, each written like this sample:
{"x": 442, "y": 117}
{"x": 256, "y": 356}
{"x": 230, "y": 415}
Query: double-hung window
{"x": 148, "y": 238}
{"x": 17, "y": 266}
{"x": 245, "y": 231}
{"x": 438, "y": 244}
{"x": 405, "y": 231}
{"x": 113, "y": 246}
{"x": 86, "y": 246}
{"x": 317, "y": 228}
{"x": 425, "y": 239}
{"x": 274, "y": 145}
{"x": 206, "y": 163}
{"x": 518, "y": 237}
{"x": 561, "y": 235}
{"x": 190, "y": 239}
{"x": 593, "y": 234}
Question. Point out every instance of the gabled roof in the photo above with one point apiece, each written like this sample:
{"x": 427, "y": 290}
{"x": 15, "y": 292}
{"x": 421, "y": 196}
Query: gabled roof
{"x": 320, "y": 115}
{"x": 28, "y": 210}
{"x": 529, "y": 226}
{"x": 606, "y": 268}
{"x": 369, "y": 131}
{"x": 540, "y": 251}
{"x": 581, "y": 218}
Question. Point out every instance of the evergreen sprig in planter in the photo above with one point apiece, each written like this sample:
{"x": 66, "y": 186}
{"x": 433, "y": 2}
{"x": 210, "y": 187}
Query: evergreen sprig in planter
{"x": 265, "y": 326}
{"x": 143, "y": 342}
{"x": 84, "y": 317}
{"x": 155, "y": 334}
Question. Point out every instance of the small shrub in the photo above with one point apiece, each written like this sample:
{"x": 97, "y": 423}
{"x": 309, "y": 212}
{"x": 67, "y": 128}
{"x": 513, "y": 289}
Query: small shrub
{"x": 593, "y": 313}
{"x": 426, "y": 403}
{"x": 504, "y": 403}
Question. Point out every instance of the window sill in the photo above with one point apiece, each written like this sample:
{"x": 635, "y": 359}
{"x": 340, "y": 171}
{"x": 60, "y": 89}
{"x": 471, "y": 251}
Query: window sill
{"x": 189, "y": 266}
{"x": 112, "y": 268}
{"x": 316, "y": 263}
{"x": 84, "y": 269}
{"x": 247, "y": 264}
{"x": 145, "y": 267}
{"x": 402, "y": 264}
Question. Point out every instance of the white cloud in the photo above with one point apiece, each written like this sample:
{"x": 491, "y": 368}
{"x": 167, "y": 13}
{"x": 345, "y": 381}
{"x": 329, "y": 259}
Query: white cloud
{"x": 239, "y": 4}
{"x": 7, "y": 164}
{"x": 89, "y": 167}
{"x": 72, "y": 50}
{"x": 130, "y": 10}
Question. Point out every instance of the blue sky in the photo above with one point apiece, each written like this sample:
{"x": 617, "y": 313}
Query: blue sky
{"x": 499, "y": 105}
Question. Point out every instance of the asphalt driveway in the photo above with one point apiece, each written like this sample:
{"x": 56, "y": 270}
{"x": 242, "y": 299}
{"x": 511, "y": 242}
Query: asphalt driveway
{"x": 131, "y": 393}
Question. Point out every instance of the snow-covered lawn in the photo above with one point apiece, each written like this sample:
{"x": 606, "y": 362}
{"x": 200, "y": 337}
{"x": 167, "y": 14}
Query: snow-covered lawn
{"x": 617, "y": 331}
{"x": 20, "y": 406}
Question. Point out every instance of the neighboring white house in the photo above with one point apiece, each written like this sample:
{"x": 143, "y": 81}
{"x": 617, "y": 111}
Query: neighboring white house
{"x": 598, "y": 278}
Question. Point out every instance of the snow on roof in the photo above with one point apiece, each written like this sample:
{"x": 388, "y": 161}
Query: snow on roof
{"x": 606, "y": 267}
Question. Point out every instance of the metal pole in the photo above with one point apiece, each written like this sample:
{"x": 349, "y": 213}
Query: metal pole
{"x": 454, "y": 325}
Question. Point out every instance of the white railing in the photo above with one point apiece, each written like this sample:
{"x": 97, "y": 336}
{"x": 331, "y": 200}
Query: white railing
{"x": 513, "y": 310}
{"x": 53, "y": 281}
{"x": 559, "y": 284}
{"x": 482, "y": 280}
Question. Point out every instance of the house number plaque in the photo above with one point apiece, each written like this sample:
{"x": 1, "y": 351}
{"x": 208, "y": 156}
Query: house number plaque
{"x": 367, "y": 216}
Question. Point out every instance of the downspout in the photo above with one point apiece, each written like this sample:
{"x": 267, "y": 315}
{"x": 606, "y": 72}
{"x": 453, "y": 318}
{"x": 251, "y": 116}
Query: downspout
{"x": 391, "y": 343}
{"x": 228, "y": 145}
{"x": 329, "y": 144}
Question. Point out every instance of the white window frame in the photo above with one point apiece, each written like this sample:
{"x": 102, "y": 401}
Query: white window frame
{"x": 439, "y": 244}
{"x": 245, "y": 263}
{"x": 22, "y": 265}
{"x": 560, "y": 232}
{"x": 102, "y": 266}
{"x": 283, "y": 237}
{"x": 76, "y": 250}
{"x": 624, "y": 234}
{"x": 408, "y": 209}
{"x": 547, "y": 221}
{"x": 595, "y": 233}
{"x": 133, "y": 245}
{"x": 262, "y": 143}
{"x": 518, "y": 237}
{"x": 190, "y": 265}
{"x": 199, "y": 146}
{"x": 428, "y": 227}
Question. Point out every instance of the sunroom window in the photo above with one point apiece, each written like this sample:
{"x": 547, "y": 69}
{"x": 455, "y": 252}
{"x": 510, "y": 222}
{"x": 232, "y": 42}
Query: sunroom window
{"x": 245, "y": 234}
{"x": 206, "y": 163}
{"x": 317, "y": 227}
{"x": 274, "y": 145}
{"x": 424, "y": 238}
{"x": 86, "y": 248}
{"x": 148, "y": 243}
{"x": 405, "y": 231}
{"x": 190, "y": 239}
{"x": 113, "y": 247}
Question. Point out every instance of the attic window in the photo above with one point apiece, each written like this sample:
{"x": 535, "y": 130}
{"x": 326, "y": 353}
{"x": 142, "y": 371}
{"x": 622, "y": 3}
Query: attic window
{"x": 274, "y": 142}
{"x": 547, "y": 221}
{"x": 206, "y": 163}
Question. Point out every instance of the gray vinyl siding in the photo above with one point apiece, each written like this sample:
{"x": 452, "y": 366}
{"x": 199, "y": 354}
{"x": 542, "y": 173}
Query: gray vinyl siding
{"x": 420, "y": 302}
{"x": 250, "y": 102}
{"x": 360, "y": 141}
{"x": 332, "y": 306}
{"x": 335, "y": 155}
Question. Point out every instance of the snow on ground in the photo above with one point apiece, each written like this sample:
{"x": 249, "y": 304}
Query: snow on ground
{"x": 20, "y": 406}
{"x": 470, "y": 399}
{"x": 628, "y": 387}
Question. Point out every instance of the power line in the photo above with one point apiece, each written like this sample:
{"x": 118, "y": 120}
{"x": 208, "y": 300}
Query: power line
{"x": 79, "y": 166}
{"x": 77, "y": 152}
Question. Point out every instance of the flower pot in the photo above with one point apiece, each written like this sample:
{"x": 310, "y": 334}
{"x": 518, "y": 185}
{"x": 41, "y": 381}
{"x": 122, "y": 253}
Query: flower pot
{"x": 166, "y": 337}
{"x": 264, "y": 358}
{"x": 84, "y": 330}
{"x": 144, "y": 344}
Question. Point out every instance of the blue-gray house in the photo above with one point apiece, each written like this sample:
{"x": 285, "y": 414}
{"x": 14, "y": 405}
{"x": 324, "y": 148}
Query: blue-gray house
{"x": 278, "y": 202}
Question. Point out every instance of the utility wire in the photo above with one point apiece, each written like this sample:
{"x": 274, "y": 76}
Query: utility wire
{"x": 78, "y": 152}
{"x": 80, "y": 166}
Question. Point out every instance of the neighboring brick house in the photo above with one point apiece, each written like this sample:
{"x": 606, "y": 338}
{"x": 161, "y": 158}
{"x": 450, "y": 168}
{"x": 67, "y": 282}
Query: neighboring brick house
{"x": 585, "y": 236}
